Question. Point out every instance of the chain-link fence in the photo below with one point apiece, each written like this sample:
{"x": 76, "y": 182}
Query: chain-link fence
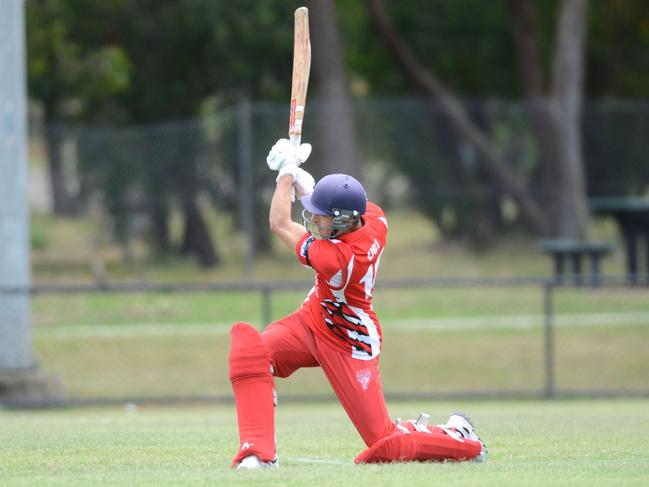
{"x": 412, "y": 157}
{"x": 442, "y": 338}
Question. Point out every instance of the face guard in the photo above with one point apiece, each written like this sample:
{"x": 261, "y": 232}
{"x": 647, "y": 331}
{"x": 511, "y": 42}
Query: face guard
{"x": 342, "y": 221}
{"x": 338, "y": 196}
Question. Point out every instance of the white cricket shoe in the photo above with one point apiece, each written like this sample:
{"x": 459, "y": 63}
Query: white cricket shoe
{"x": 463, "y": 425}
{"x": 252, "y": 462}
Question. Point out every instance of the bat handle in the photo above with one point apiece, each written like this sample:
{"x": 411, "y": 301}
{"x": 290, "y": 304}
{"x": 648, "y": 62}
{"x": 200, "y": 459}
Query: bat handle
{"x": 295, "y": 139}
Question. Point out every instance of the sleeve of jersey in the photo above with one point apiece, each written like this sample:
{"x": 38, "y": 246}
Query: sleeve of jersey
{"x": 302, "y": 249}
{"x": 320, "y": 255}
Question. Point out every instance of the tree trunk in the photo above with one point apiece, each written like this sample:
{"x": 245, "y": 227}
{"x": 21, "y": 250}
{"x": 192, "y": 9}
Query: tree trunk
{"x": 337, "y": 150}
{"x": 62, "y": 203}
{"x": 160, "y": 223}
{"x": 506, "y": 180}
{"x": 197, "y": 239}
{"x": 543, "y": 124}
{"x": 568, "y": 75}
{"x": 263, "y": 243}
{"x": 555, "y": 119}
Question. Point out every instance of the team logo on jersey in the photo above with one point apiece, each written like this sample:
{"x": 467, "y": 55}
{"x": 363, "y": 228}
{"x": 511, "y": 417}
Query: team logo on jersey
{"x": 304, "y": 250}
{"x": 364, "y": 376}
{"x": 344, "y": 323}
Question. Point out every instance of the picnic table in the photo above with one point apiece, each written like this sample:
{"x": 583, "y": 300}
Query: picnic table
{"x": 572, "y": 251}
{"x": 632, "y": 217}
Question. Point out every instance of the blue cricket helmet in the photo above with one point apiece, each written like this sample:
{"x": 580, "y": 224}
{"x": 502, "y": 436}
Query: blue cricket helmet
{"x": 336, "y": 193}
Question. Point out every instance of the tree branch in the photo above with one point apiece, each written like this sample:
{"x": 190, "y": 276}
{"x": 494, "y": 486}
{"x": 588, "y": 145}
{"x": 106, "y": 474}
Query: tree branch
{"x": 426, "y": 81}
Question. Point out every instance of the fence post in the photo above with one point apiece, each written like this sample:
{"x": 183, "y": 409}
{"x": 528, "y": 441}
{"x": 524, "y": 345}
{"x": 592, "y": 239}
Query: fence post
{"x": 246, "y": 189}
{"x": 15, "y": 330}
{"x": 548, "y": 340}
{"x": 20, "y": 375}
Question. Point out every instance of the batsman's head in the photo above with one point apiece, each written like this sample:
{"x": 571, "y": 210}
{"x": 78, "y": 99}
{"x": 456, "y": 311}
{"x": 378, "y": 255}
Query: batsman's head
{"x": 334, "y": 207}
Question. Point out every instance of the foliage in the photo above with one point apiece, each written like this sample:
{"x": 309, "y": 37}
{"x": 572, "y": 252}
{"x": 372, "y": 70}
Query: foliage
{"x": 615, "y": 131}
{"x": 142, "y": 61}
{"x": 618, "y": 47}
{"x": 188, "y": 50}
{"x": 470, "y": 45}
{"x": 438, "y": 35}
{"x": 74, "y": 65}
{"x": 471, "y": 51}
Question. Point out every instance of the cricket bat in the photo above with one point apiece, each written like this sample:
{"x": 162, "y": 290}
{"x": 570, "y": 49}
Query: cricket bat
{"x": 301, "y": 68}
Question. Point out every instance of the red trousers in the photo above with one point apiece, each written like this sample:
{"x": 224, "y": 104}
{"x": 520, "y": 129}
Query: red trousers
{"x": 291, "y": 345}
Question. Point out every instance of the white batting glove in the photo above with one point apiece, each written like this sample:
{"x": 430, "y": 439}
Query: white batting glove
{"x": 287, "y": 169}
{"x": 303, "y": 182}
{"x": 284, "y": 152}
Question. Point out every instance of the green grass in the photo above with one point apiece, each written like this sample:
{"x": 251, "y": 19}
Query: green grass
{"x": 65, "y": 249}
{"x": 141, "y": 361}
{"x": 593, "y": 443}
{"x": 162, "y": 344}
{"x": 398, "y": 305}
{"x": 184, "y": 347}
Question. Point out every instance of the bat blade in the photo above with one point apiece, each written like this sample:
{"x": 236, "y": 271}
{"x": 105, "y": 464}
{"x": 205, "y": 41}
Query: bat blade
{"x": 301, "y": 68}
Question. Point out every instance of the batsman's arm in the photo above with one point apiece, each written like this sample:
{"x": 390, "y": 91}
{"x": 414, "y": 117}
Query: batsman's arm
{"x": 279, "y": 218}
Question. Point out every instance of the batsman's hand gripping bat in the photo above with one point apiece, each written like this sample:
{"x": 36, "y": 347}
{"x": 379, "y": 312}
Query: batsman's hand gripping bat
{"x": 301, "y": 68}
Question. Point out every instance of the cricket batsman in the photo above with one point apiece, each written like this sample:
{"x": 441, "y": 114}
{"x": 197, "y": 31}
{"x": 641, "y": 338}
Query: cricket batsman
{"x": 336, "y": 329}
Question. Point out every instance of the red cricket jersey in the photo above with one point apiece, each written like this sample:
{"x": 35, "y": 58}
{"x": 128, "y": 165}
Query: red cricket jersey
{"x": 340, "y": 303}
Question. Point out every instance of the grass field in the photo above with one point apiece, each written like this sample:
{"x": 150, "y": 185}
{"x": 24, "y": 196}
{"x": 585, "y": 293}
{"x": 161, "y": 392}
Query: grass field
{"x": 167, "y": 362}
{"x": 390, "y": 304}
{"x": 160, "y": 344}
{"x": 590, "y": 443}
{"x": 176, "y": 344}
{"x": 139, "y": 344}
{"x": 65, "y": 250}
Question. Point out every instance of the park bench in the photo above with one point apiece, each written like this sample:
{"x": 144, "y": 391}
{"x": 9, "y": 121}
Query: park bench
{"x": 564, "y": 250}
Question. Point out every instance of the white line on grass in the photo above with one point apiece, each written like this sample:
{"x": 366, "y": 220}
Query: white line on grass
{"x": 320, "y": 461}
{"x": 445, "y": 324}
{"x": 521, "y": 321}
{"x": 133, "y": 330}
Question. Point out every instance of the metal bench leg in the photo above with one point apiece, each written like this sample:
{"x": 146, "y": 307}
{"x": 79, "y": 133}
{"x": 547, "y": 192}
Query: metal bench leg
{"x": 576, "y": 266}
{"x": 595, "y": 260}
{"x": 630, "y": 241}
{"x": 558, "y": 268}
{"x": 646, "y": 261}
